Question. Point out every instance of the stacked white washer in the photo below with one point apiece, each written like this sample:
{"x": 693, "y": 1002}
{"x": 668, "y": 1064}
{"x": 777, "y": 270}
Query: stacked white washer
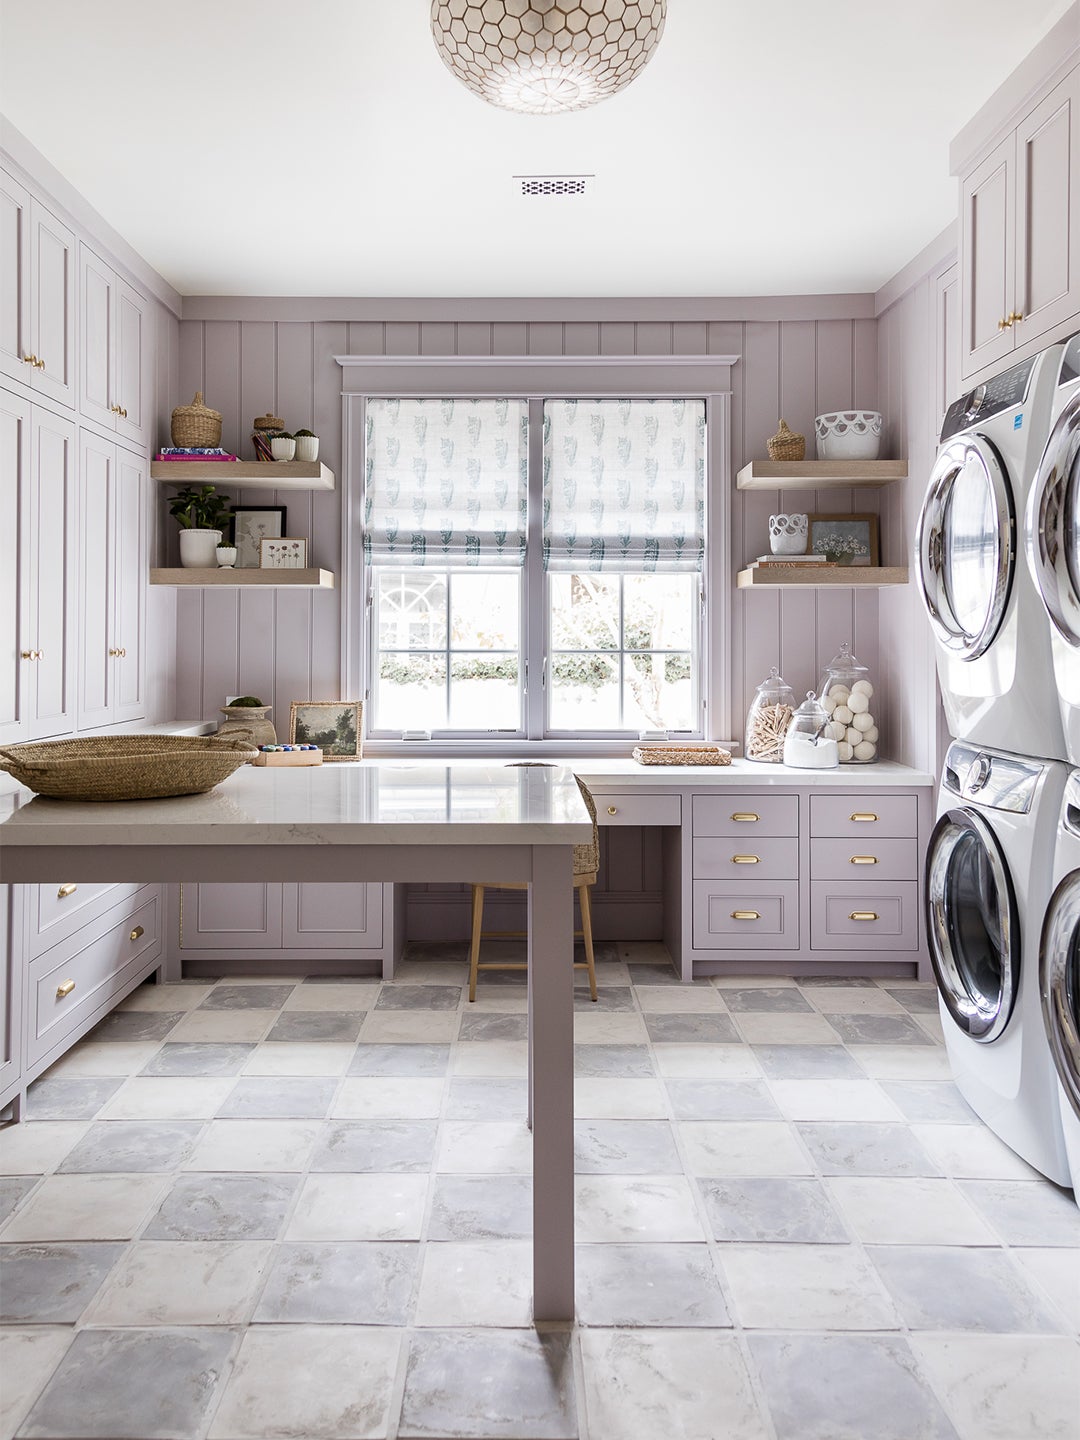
{"x": 1059, "y": 973}
{"x": 989, "y": 859}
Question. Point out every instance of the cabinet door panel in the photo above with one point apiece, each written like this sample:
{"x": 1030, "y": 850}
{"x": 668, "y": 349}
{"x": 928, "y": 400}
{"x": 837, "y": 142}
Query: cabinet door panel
{"x": 16, "y": 635}
{"x": 331, "y": 917}
{"x": 11, "y": 983}
{"x": 52, "y": 282}
{"x": 97, "y": 461}
{"x": 97, "y": 293}
{"x": 14, "y": 279}
{"x": 946, "y": 342}
{"x": 988, "y": 222}
{"x": 131, "y": 384}
{"x": 130, "y": 558}
{"x": 230, "y": 917}
{"x": 1048, "y": 239}
{"x": 53, "y": 572}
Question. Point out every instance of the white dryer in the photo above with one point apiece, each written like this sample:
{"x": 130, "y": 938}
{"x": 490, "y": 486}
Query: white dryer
{"x": 1052, "y": 533}
{"x": 988, "y": 867}
{"x": 1059, "y": 973}
{"x": 993, "y": 649}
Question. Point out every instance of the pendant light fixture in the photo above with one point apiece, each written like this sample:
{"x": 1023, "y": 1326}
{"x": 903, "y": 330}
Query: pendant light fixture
{"x": 543, "y": 57}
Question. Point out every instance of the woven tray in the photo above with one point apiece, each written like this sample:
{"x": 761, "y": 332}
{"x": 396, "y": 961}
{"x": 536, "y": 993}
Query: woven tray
{"x": 126, "y": 767}
{"x": 681, "y": 755}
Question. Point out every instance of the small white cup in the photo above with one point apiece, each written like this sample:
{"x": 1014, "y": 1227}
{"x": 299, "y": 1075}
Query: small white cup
{"x": 307, "y": 448}
{"x": 787, "y": 534}
{"x": 226, "y": 556}
{"x": 282, "y": 448}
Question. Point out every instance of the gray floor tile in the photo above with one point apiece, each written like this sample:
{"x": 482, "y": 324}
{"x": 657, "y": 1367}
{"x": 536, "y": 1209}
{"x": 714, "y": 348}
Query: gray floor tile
{"x": 12, "y": 1190}
{"x": 861, "y": 1029}
{"x": 842, "y": 982}
{"x": 247, "y": 997}
{"x": 54, "y": 1098}
{"x": 808, "y": 1062}
{"x": 775, "y": 1209}
{"x": 626, "y": 1060}
{"x": 625, "y": 1147}
{"x": 416, "y": 1060}
{"x": 369, "y": 980}
{"x": 847, "y": 1387}
{"x": 1026, "y": 1212}
{"x": 610, "y": 999}
{"x": 769, "y": 998}
{"x": 672, "y": 1284}
{"x": 490, "y": 1383}
{"x": 127, "y": 1146}
{"x": 198, "y": 1058}
{"x": 920, "y": 1000}
{"x": 694, "y": 1029}
{"x": 52, "y": 1284}
{"x": 930, "y": 1102}
{"x": 317, "y": 1025}
{"x": 274, "y": 1098}
{"x": 132, "y": 1385}
{"x": 855, "y": 1149}
{"x": 494, "y": 1099}
{"x": 481, "y": 1207}
{"x": 722, "y": 1100}
{"x": 136, "y": 1025}
{"x": 644, "y": 973}
{"x": 369, "y": 1283}
{"x": 492, "y": 1025}
{"x": 224, "y": 1207}
{"x": 419, "y": 997}
{"x": 382, "y": 1146}
{"x": 937, "y": 1287}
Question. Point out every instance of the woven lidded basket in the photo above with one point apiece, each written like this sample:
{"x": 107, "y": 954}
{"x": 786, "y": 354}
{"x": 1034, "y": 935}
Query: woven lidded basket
{"x": 786, "y": 444}
{"x": 268, "y": 422}
{"x": 196, "y": 425}
{"x": 126, "y": 767}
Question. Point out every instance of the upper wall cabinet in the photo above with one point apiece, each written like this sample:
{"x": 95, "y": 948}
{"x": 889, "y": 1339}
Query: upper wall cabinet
{"x": 1020, "y": 232}
{"x": 37, "y": 295}
{"x": 115, "y": 350}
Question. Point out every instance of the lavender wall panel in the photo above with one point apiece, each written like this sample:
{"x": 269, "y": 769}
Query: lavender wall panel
{"x": 472, "y": 338}
{"x": 581, "y": 338}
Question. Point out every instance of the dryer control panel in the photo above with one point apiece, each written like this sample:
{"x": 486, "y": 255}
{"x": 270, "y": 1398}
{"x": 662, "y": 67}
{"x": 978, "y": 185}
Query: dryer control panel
{"x": 1070, "y": 362}
{"x": 1001, "y": 782}
{"x": 976, "y": 407}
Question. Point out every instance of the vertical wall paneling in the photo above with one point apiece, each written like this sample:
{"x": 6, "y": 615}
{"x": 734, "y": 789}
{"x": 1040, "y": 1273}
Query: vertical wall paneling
{"x": 581, "y": 338}
{"x": 761, "y": 407}
{"x": 437, "y": 338}
{"x": 473, "y": 338}
{"x": 402, "y": 338}
{"x": 508, "y": 337}
{"x": 366, "y": 337}
{"x": 545, "y": 338}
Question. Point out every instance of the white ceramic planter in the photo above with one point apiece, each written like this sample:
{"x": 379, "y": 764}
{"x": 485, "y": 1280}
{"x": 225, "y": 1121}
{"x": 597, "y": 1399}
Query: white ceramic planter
{"x": 282, "y": 449}
{"x": 307, "y": 448}
{"x": 198, "y": 549}
{"x": 226, "y": 556}
{"x": 787, "y": 534}
{"x": 848, "y": 435}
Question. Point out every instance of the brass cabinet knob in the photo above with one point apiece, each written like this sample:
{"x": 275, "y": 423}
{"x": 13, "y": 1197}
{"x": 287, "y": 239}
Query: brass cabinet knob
{"x": 27, "y": 655}
{"x": 65, "y": 891}
{"x": 65, "y": 989}
{"x": 745, "y": 815}
{"x": 123, "y": 413}
{"x": 115, "y": 653}
{"x": 862, "y": 915}
{"x": 863, "y": 860}
{"x": 30, "y": 360}
{"x": 612, "y": 809}
{"x": 862, "y": 817}
{"x": 137, "y": 933}
{"x": 39, "y": 364}
{"x": 1004, "y": 323}
{"x": 745, "y": 915}
{"x": 746, "y": 859}
{"x": 1015, "y": 317}
{"x": 123, "y": 653}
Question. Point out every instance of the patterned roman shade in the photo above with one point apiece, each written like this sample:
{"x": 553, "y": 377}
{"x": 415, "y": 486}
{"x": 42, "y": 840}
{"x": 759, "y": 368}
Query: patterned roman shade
{"x": 445, "y": 482}
{"x": 624, "y": 485}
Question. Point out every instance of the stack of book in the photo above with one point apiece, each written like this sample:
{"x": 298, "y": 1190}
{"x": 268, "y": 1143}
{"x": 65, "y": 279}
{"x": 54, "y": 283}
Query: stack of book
{"x": 771, "y": 562}
{"x": 194, "y": 452}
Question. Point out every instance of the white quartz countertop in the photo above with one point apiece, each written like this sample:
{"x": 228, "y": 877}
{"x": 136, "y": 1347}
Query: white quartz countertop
{"x": 608, "y": 774}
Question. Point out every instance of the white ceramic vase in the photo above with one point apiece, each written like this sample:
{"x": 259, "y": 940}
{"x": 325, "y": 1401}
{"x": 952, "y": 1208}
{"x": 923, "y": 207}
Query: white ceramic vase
{"x": 282, "y": 448}
{"x": 198, "y": 549}
{"x": 787, "y": 534}
{"x": 226, "y": 556}
{"x": 307, "y": 448}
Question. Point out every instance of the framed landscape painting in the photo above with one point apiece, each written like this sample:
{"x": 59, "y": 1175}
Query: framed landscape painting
{"x": 333, "y": 725}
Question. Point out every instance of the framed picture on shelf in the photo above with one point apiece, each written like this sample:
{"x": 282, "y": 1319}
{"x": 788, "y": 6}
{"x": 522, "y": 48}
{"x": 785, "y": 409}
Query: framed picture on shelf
{"x": 251, "y": 524}
{"x": 333, "y": 725}
{"x": 845, "y": 539}
{"x": 287, "y": 553}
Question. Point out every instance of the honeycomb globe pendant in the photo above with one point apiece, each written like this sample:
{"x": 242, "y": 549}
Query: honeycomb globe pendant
{"x": 544, "y": 57}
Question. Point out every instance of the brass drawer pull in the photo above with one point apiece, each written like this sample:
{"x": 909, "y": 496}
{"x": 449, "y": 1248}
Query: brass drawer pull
{"x": 860, "y": 816}
{"x": 115, "y": 654}
{"x": 65, "y": 989}
{"x": 746, "y": 859}
{"x": 863, "y": 860}
{"x": 862, "y": 915}
{"x": 612, "y": 809}
{"x": 137, "y": 933}
{"x": 745, "y": 915}
{"x": 745, "y": 815}
{"x": 65, "y": 891}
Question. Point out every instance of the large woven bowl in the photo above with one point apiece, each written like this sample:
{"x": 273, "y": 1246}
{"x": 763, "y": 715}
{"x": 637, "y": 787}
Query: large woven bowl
{"x": 126, "y": 767}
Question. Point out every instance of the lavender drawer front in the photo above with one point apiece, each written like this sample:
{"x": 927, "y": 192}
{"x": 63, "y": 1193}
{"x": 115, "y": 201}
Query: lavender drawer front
{"x": 746, "y": 917}
{"x": 762, "y": 858}
{"x": 760, "y": 815}
{"x": 872, "y": 860}
{"x": 894, "y": 910}
{"x": 880, "y": 815}
{"x": 99, "y": 961}
{"x": 638, "y": 809}
{"x": 62, "y": 909}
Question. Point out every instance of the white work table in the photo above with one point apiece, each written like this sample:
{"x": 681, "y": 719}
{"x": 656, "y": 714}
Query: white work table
{"x": 368, "y": 822}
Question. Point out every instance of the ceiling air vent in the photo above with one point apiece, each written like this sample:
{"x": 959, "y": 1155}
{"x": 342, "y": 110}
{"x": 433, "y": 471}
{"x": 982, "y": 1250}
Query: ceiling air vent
{"x": 553, "y": 184}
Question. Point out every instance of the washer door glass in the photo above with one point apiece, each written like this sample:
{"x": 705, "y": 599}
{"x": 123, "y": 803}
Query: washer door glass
{"x": 1054, "y": 524}
{"x": 1059, "y": 981}
{"x": 966, "y": 546}
{"x": 972, "y": 924}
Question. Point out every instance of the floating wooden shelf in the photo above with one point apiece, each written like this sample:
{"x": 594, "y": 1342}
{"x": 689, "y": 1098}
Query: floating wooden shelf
{"x": 776, "y": 577}
{"x": 246, "y": 474}
{"x": 268, "y": 579}
{"x": 819, "y": 474}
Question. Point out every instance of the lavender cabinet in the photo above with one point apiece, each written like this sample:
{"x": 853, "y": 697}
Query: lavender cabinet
{"x": 11, "y": 1008}
{"x": 15, "y": 632}
{"x": 37, "y": 295}
{"x": 114, "y": 348}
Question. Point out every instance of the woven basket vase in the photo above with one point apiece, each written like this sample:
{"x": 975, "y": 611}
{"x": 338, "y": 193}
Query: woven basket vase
{"x": 786, "y": 444}
{"x": 196, "y": 425}
{"x": 126, "y": 767}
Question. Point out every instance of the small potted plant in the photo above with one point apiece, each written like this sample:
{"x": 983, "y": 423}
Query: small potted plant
{"x": 248, "y": 715}
{"x": 200, "y": 512}
{"x": 307, "y": 445}
{"x": 283, "y": 447}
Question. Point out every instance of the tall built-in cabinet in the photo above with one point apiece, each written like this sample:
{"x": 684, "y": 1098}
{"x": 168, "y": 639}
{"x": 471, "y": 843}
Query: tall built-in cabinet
{"x": 114, "y": 351}
{"x": 37, "y": 295}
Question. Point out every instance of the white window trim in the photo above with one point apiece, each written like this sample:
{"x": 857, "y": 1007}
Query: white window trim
{"x": 538, "y": 378}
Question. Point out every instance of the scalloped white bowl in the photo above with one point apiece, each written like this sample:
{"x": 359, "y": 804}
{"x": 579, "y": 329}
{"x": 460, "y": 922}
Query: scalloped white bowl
{"x": 848, "y": 435}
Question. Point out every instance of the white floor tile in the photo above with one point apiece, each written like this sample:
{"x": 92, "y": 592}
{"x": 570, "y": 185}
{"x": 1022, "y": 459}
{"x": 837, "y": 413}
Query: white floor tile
{"x": 781, "y": 1028}
{"x": 224, "y": 1025}
{"x": 359, "y": 1207}
{"x": 87, "y": 1207}
{"x": 909, "y": 1212}
{"x": 299, "y": 1057}
{"x": 96, "y": 1058}
{"x": 852, "y": 1000}
{"x": 27, "y": 1359}
{"x": 622, "y": 1099}
{"x": 338, "y": 998}
{"x": 634, "y": 1207}
{"x": 1005, "y": 1387}
{"x": 742, "y": 1147}
{"x": 37, "y": 1146}
{"x": 490, "y": 1058}
{"x": 706, "y": 1062}
{"x": 600, "y": 1028}
{"x": 833, "y": 1100}
{"x": 149, "y": 1097}
{"x": 483, "y": 1282}
{"x": 902, "y": 1062}
{"x": 257, "y": 1145}
{"x": 191, "y": 1282}
{"x": 171, "y": 998}
{"x": 678, "y": 999}
{"x": 1058, "y": 1273}
{"x": 972, "y": 1152}
{"x": 388, "y": 1097}
{"x": 806, "y": 1287}
{"x": 407, "y": 1027}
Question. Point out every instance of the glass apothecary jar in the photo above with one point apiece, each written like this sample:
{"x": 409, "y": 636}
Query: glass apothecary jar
{"x": 847, "y": 695}
{"x": 768, "y": 718}
{"x": 809, "y": 743}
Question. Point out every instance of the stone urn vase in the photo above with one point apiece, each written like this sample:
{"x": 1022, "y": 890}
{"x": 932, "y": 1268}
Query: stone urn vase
{"x": 250, "y": 720}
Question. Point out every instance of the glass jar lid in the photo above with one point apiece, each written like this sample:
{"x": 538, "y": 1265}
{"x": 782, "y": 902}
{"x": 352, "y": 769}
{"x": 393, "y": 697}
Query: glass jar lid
{"x": 774, "y": 690}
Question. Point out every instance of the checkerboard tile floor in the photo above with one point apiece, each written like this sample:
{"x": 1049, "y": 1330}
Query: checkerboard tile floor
{"x": 264, "y": 1207}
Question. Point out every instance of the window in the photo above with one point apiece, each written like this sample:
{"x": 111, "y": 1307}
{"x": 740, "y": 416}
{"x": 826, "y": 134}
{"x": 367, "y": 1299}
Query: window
{"x": 534, "y": 568}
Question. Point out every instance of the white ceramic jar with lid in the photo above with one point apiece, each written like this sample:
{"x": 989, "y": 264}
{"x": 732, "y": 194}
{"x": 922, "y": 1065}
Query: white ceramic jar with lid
{"x": 768, "y": 718}
{"x": 847, "y": 695}
{"x": 808, "y": 745}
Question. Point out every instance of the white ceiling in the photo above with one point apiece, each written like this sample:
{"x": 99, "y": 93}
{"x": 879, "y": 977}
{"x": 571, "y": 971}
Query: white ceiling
{"x": 267, "y": 147}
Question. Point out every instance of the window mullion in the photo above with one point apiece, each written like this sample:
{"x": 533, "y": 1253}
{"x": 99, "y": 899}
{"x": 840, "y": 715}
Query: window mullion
{"x": 534, "y": 610}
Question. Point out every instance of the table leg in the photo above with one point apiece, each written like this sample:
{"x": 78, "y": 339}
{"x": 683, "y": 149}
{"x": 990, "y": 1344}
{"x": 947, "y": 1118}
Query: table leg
{"x": 551, "y": 1079}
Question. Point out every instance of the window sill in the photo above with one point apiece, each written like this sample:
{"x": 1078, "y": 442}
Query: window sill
{"x": 516, "y": 749}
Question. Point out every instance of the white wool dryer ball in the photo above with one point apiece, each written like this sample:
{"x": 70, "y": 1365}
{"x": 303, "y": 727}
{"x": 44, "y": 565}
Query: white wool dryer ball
{"x": 844, "y": 750}
{"x": 865, "y": 721}
{"x": 865, "y": 750}
{"x": 836, "y": 730}
{"x": 862, "y": 687}
{"x": 843, "y": 714}
{"x": 871, "y": 734}
{"x": 828, "y": 704}
{"x": 857, "y": 702}
{"x": 852, "y": 736}
{"x": 839, "y": 693}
